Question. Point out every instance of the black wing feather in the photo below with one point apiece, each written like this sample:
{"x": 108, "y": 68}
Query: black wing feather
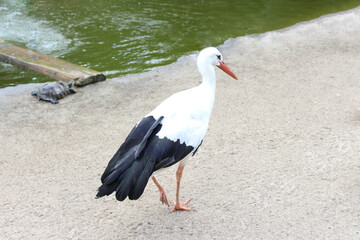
{"x": 138, "y": 157}
{"x": 126, "y": 153}
{"x": 174, "y": 152}
{"x": 125, "y": 156}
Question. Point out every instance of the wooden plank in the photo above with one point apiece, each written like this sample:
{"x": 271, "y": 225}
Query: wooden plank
{"x": 46, "y": 65}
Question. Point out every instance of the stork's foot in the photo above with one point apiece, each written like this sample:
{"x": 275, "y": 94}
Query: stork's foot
{"x": 178, "y": 206}
{"x": 163, "y": 197}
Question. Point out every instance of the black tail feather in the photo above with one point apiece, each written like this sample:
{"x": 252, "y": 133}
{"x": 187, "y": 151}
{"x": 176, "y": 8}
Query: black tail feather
{"x": 142, "y": 180}
{"x": 128, "y": 179}
{"x": 105, "y": 190}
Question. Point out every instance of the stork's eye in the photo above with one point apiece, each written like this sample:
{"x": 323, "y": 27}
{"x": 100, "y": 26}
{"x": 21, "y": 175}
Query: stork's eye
{"x": 219, "y": 57}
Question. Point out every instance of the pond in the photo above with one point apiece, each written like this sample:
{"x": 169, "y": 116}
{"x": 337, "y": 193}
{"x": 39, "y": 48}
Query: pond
{"x": 125, "y": 37}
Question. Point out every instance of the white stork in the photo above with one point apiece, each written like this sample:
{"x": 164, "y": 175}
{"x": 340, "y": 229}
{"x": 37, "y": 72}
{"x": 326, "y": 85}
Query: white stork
{"x": 171, "y": 133}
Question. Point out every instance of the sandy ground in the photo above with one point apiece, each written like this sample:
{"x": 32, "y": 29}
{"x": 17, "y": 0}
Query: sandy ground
{"x": 280, "y": 160}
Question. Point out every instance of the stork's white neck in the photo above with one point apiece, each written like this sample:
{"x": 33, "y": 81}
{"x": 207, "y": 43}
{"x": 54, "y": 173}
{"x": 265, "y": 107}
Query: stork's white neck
{"x": 207, "y": 72}
{"x": 207, "y": 87}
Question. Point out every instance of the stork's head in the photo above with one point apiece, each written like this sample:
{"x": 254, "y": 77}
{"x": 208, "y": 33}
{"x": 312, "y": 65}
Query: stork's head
{"x": 214, "y": 57}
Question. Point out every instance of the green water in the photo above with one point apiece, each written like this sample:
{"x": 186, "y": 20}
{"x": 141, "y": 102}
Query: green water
{"x": 126, "y": 37}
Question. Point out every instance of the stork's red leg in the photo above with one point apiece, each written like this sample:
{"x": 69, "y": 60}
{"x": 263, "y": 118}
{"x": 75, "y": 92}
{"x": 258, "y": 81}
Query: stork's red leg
{"x": 179, "y": 206}
{"x": 163, "y": 197}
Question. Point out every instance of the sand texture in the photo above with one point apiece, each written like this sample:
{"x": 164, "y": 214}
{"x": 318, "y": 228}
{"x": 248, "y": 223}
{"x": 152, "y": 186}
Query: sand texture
{"x": 281, "y": 159}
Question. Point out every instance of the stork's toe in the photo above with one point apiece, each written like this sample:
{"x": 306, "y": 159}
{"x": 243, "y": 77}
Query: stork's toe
{"x": 181, "y": 206}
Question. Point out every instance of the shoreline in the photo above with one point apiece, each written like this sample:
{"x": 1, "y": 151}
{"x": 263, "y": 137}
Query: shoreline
{"x": 18, "y": 89}
{"x": 280, "y": 159}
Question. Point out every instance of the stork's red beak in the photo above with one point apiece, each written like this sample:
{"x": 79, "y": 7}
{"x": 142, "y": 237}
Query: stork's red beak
{"x": 226, "y": 69}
